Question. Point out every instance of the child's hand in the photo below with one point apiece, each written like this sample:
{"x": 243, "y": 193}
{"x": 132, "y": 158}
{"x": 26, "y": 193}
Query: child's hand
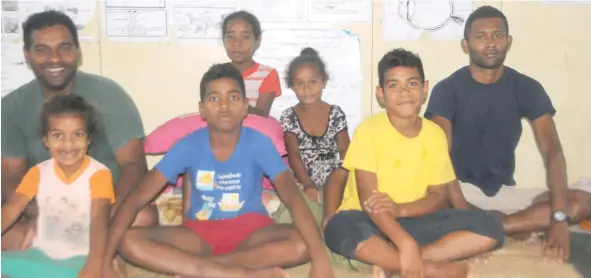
{"x": 313, "y": 194}
{"x": 380, "y": 202}
{"x": 30, "y": 234}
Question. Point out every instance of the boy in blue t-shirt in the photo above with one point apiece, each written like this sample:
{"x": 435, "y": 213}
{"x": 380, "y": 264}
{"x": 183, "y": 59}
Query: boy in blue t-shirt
{"x": 227, "y": 231}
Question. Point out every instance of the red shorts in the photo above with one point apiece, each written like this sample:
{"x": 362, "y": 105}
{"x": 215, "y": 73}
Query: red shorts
{"x": 225, "y": 235}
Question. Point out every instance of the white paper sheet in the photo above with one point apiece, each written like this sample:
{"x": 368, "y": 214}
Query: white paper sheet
{"x": 15, "y": 72}
{"x": 339, "y": 49}
{"x": 204, "y": 3}
{"x": 14, "y": 13}
{"x": 566, "y": 1}
{"x": 135, "y": 3}
{"x": 200, "y": 23}
{"x": 406, "y": 20}
{"x": 340, "y": 10}
{"x": 276, "y": 10}
{"x": 136, "y": 24}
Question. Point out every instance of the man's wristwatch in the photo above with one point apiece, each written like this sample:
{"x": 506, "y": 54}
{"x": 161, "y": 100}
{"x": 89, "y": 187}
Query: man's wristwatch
{"x": 560, "y": 216}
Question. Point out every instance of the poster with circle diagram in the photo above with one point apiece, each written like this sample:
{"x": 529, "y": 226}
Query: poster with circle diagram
{"x": 406, "y": 20}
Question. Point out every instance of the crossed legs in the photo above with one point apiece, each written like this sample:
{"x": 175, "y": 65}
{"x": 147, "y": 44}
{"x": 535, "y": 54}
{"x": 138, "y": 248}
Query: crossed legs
{"x": 442, "y": 235}
{"x": 262, "y": 254}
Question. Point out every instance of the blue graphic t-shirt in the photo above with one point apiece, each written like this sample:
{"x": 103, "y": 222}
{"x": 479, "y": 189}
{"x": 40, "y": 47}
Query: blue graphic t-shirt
{"x": 222, "y": 190}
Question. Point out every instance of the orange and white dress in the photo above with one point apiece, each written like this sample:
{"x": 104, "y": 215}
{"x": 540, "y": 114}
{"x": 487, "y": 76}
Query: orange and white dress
{"x": 63, "y": 225}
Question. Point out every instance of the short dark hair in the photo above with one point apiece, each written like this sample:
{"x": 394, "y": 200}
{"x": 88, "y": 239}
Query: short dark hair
{"x": 246, "y": 16}
{"x": 399, "y": 58}
{"x": 484, "y": 12}
{"x": 46, "y": 19}
{"x": 69, "y": 104}
{"x": 308, "y": 55}
{"x": 219, "y": 71}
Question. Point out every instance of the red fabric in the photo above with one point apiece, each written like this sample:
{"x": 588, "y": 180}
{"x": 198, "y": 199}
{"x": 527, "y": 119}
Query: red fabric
{"x": 225, "y": 235}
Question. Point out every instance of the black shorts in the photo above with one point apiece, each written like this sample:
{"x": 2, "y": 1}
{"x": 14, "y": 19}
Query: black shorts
{"x": 347, "y": 229}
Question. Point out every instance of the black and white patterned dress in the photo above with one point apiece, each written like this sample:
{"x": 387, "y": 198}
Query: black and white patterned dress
{"x": 320, "y": 154}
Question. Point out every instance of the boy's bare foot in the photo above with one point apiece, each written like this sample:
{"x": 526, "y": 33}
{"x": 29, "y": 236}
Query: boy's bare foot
{"x": 482, "y": 258}
{"x": 378, "y": 272}
{"x": 273, "y": 272}
{"x": 472, "y": 271}
{"x": 451, "y": 270}
{"x": 119, "y": 267}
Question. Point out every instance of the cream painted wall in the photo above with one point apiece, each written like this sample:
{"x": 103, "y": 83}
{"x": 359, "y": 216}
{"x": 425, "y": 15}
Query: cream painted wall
{"x": 163, "y": 78}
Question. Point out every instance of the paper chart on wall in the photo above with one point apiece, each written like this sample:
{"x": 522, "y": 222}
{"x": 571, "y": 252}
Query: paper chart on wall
{"x": 135, "y": 20}
{"x": 340, "y": 10}
{"x": 135, "y": 3}
{"x": 201, "y": 20}
{"x": 15, "y": 72}
{"x": 339, "y": 49}
{"x": 276, "y": 10}
{"x": 14, "y": 13}
{"x": 406, "y": 20}
{"x": 566, "y": 1}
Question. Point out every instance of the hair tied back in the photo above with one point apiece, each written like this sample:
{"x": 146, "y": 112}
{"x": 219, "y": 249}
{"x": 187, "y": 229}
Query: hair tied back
{"x": 308, "y": 51}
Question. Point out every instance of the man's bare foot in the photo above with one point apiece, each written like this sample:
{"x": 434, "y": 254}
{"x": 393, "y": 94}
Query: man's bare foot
{"x": 525, "y": 237}
{"x": 378, "y": 272}
{"x": 450, "y": 270}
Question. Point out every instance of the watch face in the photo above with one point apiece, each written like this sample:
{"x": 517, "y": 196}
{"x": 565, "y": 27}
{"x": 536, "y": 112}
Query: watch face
{"x": 559, "y": 216}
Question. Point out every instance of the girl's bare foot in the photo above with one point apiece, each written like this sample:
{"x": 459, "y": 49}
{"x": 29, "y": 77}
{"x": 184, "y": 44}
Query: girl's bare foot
{"x": 378, "y": 272}
{"x": 273, "y": 272}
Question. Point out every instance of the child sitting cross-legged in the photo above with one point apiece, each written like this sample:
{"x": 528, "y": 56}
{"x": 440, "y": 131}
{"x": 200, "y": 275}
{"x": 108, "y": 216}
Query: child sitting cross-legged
{"x": 393, "y": 212}
{"x": 227, "y": 231}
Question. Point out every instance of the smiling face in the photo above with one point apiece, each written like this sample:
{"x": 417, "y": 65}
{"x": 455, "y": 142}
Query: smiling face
{"x": 308, "y": 84}
{"x": 487, "y": 43}
{"x": 53, "y": 57}
{"x": 223, "y": 106}
{"x": 403, "y": 92}
{"x": 67, "y": 140}
{"x": 240, "y": 41}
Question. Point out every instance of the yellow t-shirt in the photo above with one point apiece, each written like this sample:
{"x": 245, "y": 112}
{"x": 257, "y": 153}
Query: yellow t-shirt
{"x": 404, "y": 166}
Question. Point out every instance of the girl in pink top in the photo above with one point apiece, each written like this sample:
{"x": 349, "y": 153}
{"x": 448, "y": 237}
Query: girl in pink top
{"x": 241, "y": 32}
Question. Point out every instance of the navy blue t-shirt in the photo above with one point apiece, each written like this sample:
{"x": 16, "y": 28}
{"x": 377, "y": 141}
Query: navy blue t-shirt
{"x": 486, "y": 123}
{"x": 223, "y": 189}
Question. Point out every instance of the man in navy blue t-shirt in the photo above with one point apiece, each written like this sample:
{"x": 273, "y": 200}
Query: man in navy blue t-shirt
{"x": 480, "y": 107}
{"x": 227, "y": 232}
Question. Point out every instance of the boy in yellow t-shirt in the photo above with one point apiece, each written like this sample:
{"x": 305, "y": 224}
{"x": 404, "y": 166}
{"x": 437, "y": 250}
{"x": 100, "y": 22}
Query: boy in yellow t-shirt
{"x": 393, "y": 211}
